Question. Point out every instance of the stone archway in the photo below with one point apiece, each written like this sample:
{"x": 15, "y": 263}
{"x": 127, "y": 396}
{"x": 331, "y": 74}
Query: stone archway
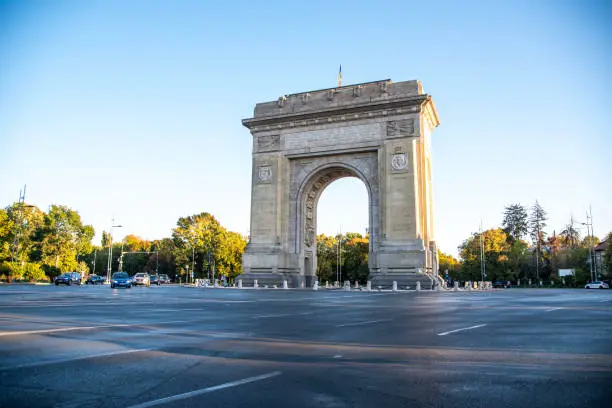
{"x": 312, "y": 184}
{"x": 378, "y": 132}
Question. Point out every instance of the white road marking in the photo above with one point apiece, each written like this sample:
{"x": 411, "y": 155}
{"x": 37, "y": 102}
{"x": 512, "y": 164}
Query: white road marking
{"x": 462, "y": 329}
{"x": 74, "y": 328}
{"x": 282, "y": 315}
{"x": 553, "y": 309}
{"x": 207, "y": 390}
{"x": 362, "y": 323}
{"x": 65, "y": 360}
{"x": 605, "y": 300}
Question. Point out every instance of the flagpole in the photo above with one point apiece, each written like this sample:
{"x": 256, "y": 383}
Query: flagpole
{"x": 340, "y": 76}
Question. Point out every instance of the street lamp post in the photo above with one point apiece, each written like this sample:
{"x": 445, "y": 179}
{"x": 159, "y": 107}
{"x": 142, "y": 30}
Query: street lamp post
{"x": 110, "y": 251}
{"x": 592, "y": 264}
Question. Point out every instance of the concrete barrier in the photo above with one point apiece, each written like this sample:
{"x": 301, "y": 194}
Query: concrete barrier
{"x": 347, "y": 285}
{"x": 369, "y": 286}
{"x": 418, "y": 286}
{"x": 394, "y": 288}
{"x": 456, "y": 286}
{"x": 239, "y": 283}
{"x": 255, "y": 284}
{"x": 285, "y": 286}
{"x": 356, "y": 284}
{"x": 315, "y": 285}
{"x": 326, "y": 284}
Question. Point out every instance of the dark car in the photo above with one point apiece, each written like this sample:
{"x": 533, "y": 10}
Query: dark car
{"x": 163, "y": 279}
{"x": 121, "y": 280}
{"x": 154, "y": 280}
{"x": 501, "y": 284}
{"x": 95, "y": 280}
{"x": 68, "y": 278}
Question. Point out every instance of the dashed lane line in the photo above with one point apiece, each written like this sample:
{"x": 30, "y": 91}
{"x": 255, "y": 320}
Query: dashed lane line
{"x": 462, "y": 329}
{"x": 207, "y": 390}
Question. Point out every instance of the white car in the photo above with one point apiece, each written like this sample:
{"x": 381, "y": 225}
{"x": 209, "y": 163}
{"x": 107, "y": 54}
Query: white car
{"x": 141, "y": 279}
{"x": 596, "y": 285}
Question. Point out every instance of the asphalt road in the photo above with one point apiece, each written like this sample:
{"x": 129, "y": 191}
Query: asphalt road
{"x": 192, "y": 347}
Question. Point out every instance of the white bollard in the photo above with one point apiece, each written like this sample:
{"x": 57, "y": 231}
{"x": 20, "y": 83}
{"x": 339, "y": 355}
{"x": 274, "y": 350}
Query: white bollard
{"x": 315, "y": 286}
{"x": 356, "y": 284}
{"x": 326, "y": 284}
{"x": 456, "y": 286}
{"x": 418, "y": 285}
{"x": 285, "y": 286}
{"x": 529, "y": 282}
{"x": 394, "y": 288}
{"x": 239, "y": 283}
{"x": 369, "y": 286}
{"x": 255, "y": 284}
{"x": 347, "y": 285}
{"x": 540, "y": 283}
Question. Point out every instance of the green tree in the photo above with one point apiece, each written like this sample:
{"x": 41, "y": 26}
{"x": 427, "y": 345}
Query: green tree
{"x": 327, "y": 258}
{"x": 537, "y": 223}
{"x": 202, "y": 241}
{"x": 607, "y": 259}
{"x": 515, "y": 222}
{"x": 496, "y": 249}
{"x": 570, "y": 235}
{"x": 448, "y": 263}
{"x": 64, "y": 238}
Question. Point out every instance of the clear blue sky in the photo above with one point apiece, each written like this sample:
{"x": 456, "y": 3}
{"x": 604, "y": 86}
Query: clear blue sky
{"x": 133, "y": 109}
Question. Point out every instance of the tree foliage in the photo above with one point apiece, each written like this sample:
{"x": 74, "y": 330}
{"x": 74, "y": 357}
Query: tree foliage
{"x": 516, "y": 222}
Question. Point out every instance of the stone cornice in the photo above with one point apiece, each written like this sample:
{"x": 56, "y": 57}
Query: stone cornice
{"x": 390, "y": 107}
{"x": 430, "y": 112}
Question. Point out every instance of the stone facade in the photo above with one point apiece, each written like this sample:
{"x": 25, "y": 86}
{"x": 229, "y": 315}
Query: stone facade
{"x": 378, "y": 132}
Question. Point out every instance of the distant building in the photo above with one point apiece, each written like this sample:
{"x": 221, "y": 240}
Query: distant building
{"x": 600, "y": 251}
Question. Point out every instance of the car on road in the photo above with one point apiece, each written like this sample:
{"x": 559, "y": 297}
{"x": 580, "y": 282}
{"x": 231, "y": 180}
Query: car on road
{"x": 501, "y": 284}
{"x": 596, "y": 285}
{"x": 154, "y": 280}
{"x": 142, "y": 278}
{"x": 95, "y": 280}
{"x": 164, "y": 279}
{"x": 120, "y": 280}
{"x": 68, "y": 278}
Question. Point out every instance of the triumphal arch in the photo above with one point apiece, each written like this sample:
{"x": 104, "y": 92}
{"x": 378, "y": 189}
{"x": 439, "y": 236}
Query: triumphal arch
{"x": 379, "y": 132}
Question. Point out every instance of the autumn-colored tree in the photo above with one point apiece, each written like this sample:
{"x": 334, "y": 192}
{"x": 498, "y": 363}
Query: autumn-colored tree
{"x": 496, "y": 250}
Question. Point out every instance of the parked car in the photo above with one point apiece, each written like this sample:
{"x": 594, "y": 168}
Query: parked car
{"x": 68, "y": 278}
{"x": 163, "y": 279}
{"x": 120, "y": 280}
{"x": 142, "y": 278}
{"x": 154, "y": 280}
{"x": 95, "y": 280}
{"x": 501, "y": 284}
{"x": 596, "y": 285}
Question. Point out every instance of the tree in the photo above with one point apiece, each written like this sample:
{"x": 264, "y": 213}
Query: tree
{"x": 496, "y": 249}
{"x": 537, "y": 223}
{"x": 607, "y": 260}
{"x": 515, "y": 222}
{"x": 570, "y": 235}
{"x": 448, "y": 263}
{"x": 64, "y": 238}
{"x": 327, "y": 258}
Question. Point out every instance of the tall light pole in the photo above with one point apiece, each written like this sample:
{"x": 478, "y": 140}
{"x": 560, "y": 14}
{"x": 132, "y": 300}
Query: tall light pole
{"x": 592, "y": 264}
{"x": 110, "y": 251}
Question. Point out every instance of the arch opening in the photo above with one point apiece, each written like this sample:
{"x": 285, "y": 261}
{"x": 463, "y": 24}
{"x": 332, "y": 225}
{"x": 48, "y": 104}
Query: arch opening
{"x": 342, "y": 226}
{"x": 312, "y": 192}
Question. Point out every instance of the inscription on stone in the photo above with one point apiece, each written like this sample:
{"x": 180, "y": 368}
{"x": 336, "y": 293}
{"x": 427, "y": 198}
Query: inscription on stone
{"x": 264, "y": 174}
{"x": 400, "y": 128}
{"x": 268, "y": 143}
